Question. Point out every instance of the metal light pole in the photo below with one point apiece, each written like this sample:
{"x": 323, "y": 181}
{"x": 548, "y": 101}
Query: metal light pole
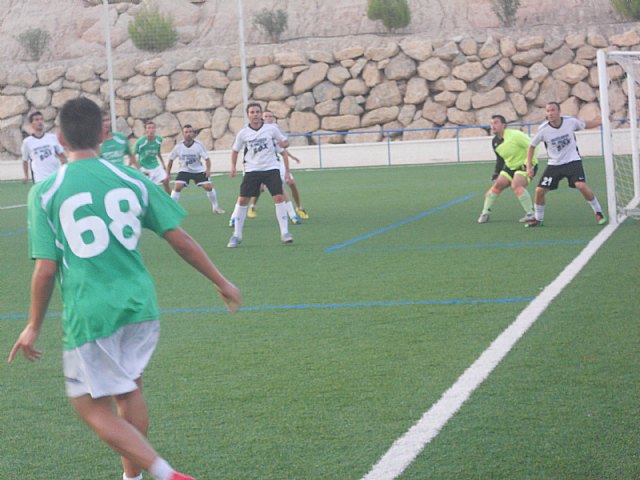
{"x": 243, "y": 62}
{"x": 107, "y": 41}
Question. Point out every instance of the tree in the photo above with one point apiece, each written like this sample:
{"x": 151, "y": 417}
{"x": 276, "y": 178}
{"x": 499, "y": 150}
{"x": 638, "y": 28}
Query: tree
{"x": 34, "y": 41}
{"x": 628, "y": 8}
{"x": 506, "y": 11}
{"x": 394, "y": 14}
{"x": 273, "y": 22}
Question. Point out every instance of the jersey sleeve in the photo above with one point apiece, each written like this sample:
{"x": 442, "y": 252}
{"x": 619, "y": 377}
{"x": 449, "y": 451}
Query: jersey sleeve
{"x": 578, "y": 124}
{"x": 42, "y": 239}
{"x": 238, "y": 142}
{"x": 174, "y": 153}
{"x": 163, "y": 213}
{"x": 203, "y": 152}
{"x": 537, "y": 138}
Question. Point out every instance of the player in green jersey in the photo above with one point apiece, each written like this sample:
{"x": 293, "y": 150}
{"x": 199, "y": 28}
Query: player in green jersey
{"x": 85, "y": 224}
{"x": 150, "y": 160}
{"x": 115, "y": 147}
{"x": 510, "y": 147}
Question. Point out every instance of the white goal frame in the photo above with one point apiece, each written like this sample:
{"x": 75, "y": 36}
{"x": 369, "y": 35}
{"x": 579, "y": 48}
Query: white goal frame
{"x": 618, "y": 213}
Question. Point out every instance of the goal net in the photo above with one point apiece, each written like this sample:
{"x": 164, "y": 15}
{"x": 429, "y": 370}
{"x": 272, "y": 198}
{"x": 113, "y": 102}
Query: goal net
{"x": 619, "y": 74}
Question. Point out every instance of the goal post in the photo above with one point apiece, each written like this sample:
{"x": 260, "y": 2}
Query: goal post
{"x": 621, "y": 144}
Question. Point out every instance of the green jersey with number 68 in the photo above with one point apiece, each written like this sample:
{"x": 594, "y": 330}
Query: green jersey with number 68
{"x": 88, "y": 217}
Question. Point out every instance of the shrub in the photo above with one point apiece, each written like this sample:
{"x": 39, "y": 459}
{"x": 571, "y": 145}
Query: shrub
{"x": 628, "y": 8}
{"x": 506, "y": 11}
{"x": 150, "y": 30}
{"x": 393, "y": 13}
{"x": 34, "y": 41}
{"x": 271, "y": 22}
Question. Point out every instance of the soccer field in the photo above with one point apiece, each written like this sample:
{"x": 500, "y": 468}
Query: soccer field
{"x": 390, "y": 291}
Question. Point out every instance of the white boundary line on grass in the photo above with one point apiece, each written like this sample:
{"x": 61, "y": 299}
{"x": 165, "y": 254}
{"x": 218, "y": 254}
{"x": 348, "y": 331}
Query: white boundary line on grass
{"x": 405, "y": 449}
{"x": 8, "y": 207}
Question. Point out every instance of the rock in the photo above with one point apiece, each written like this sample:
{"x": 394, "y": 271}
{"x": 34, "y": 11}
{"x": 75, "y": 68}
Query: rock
{"x": 519, "y": 103}
{"x": 493, "y": 97}
{"x": 469, "y": 71}
{"x": 355, "y": 87}
{"x": 575, "y": 40}
{"x": 371, "y": 75}
{"x": 219, "y": 122}
{"x": 386, "y": 94}
{"x": 538, "y": 72}
{"x": 421, "y": 129}
{"x": 181, "y": 80}
{"x": 39, "y": 97}
{"x": 589, "y": 112}
{"x": 463, "y": 102}
{"x": 433, "y": 69}
{"x": 289, "y": 59}
{"x": 162, "y": 87}
{"x": 341, "y": 123}
{"x": 491, "y": 79}
{"x": 305, "y": 102}
{"x": 80, "y": 73}
{"x": 401, "y": 67}
{"x": 212, "y": 79}
{"x": 527, "y": 43}
{"x": 406, "y": 114}
{"x": 338, "y": 75}
{"x": 381, "y": 53}
{"x": 264, "y": 74}
{"x": 199, "y": 120}
{"x": 135, "y": 86}
{"x": 434, "y": 112}
{"x": 507, "y": 47}
{"x": 449, "y": 84}
{"x": 560, "y": 57}
{"x": 596, "y": 40}
{"x": 326, "y": 91}
{"x": 528, "y": 57}
{"x": 319, "y": 56}
{"x": 350, "y": 106}
{"x": 416, "y": 48}
{"x": 571, "y": 73}
{"x": 48, "y": 75}
{"x": 311, "y": 77}
{"x": 460, "y": 117}
{"x": 379, "y": 115}
{"x": 483, "y": 116}
{"x": 195, "y": 98}
{"x": 304, "y": 122}
{"x": 149, "y": 67}
{"x": 11, "y": 105}
{"x": 271, "y": 91}
{"x": 448, "y": 51}
{"x": 447, "y": 99}
{"x": 146, "y": 106}
{"x": 417, "y": 91}
{"x": 366, "y": 135}
{"x": 490, "y": 48}
{"x": 348, "y": 53}
{"x": 326, "y": 108}
{"x": 468, "y": 46}
{"x": 552, "y": 90}
{"x": 584, "y": 92}
{"x": 512, "y": 84}
{"x": 219, "y": 64}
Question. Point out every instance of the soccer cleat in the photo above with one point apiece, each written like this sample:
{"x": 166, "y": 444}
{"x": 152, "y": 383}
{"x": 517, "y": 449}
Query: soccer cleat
{"x": 218, "y": 211}
{"x": 302, "y": 213}
{"x": 286, "y": 238}
{"x": 484, "y": 218}
{"x": 533, "y": 223}
{"x": 232, "y": 222}
{"x": 528, "y": 217}
{"x": 234, "y": 242}
{"x": 180, "y": 476}
{"x": 601, "y": 218}
{"x": 251, "y": 213}
{"x": 296, "y": 220}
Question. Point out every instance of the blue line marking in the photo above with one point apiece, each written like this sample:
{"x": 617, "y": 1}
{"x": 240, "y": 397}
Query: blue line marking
{"x": 399, "y": 224}
{"x": 19, "y": 231}
{"x": 308, "y": 306}
{"x": 461, "y": 246}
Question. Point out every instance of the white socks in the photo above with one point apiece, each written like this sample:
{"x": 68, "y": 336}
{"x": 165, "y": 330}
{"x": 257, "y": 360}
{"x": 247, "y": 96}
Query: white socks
{"x": 175, "y": 195}
{"x": 539, "y": 212}
{"x": 213, "y": 198}
{"x": 595, "y": 205}
{"x": 124, "y": 477}
{"x": 161, "y": 470}
{"x": 281, "y": 215}
{"x": 239, "y": 215}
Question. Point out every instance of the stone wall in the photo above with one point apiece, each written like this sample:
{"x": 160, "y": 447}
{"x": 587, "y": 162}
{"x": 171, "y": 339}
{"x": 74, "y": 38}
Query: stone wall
{"x": 408, "y": 84}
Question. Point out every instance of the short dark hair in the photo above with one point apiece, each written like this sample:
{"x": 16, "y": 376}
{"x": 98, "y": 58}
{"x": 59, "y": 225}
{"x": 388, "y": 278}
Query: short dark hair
{"x": 554, "y": 103}
{"x": 149, "y": 122}
{"x": 500, "y": 117}
{"x": 35, "y": 114}
{"x": 81, "y": 124}
{"x": 188, "y": 126}
{"x": 254, "y": 104}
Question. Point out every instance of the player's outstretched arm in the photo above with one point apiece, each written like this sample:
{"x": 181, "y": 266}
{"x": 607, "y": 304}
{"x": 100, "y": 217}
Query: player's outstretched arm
{"x": 194, "y": 255}
{"x": 42, "y": 284}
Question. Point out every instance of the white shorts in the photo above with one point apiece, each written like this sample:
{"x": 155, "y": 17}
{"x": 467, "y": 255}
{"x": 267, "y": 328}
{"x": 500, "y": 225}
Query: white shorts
{"x": 111, "y": 365}
{"x": 156, "y": 175}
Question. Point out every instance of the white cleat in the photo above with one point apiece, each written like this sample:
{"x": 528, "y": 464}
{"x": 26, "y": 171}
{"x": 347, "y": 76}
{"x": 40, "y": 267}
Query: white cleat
{"x": 484, "y": 218}
{"x": 287, "y": 238}
{"x": 218, "y": 211}
{"x": 527, "y": 218}
{"x": 234, "y": 242}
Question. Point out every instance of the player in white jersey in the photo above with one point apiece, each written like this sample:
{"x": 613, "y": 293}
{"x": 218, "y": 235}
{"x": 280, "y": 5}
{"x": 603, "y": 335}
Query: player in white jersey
{"x": 294, "y": 214}
{"x": 258, "y": 140}
{"x": 190, "y": 153}
{"x": 41, "y": 152}
{"x": 558, "y": 135}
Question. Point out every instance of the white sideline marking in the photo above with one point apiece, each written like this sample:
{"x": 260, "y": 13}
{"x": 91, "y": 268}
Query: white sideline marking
{"x": 405, "y": 449}
{"x": 8, "y": 207}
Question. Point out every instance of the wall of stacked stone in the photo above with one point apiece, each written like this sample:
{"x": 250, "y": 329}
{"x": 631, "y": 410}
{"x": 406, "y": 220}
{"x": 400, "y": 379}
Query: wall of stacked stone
{"x": 409, "y": 84}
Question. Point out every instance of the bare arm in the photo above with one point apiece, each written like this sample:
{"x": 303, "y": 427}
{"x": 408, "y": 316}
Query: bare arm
{"x": 285, "y": 160}
{"x": 596, "y": 122}
{"x": 207, "y": 167}
{"x": 25, "y": 169}
{"x": 169, "y": 166}
{"x": 42, "y": 284}
{"x": 291, "y": 155}
{"x": 234, "y": 160}
{"x": 194, "y": 255}
{"x": 530, "y": 153}
{"x": 62, "y": 158}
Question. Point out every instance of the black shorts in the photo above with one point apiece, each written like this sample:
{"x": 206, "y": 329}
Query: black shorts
{"x": 198, "y": 178}
{"x": 251, "y": 182}
{"x": 552, "y": 175}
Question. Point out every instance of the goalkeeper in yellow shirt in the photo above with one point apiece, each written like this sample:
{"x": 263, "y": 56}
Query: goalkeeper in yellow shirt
{"x": 510, "y": 147}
